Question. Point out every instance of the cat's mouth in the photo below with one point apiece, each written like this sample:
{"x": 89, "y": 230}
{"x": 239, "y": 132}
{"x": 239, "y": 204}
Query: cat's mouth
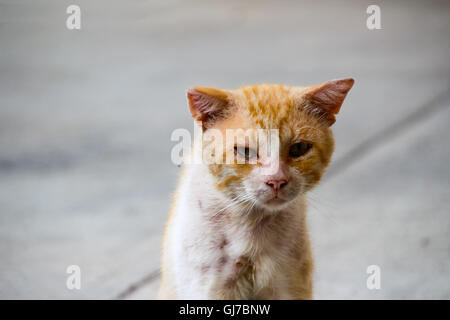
{"x": 275, "y": 201}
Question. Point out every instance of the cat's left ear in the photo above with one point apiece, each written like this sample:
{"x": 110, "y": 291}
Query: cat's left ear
{"x": 208, "y": 104}
{"x": 325, "y": 100}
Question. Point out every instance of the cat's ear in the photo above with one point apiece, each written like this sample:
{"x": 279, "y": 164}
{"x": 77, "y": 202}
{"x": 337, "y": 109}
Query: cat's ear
{"x": 325, "y": 100}
{"x": 207, "y": 104}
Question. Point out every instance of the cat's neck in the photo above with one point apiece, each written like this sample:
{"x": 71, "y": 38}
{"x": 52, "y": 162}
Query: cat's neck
{"x": 248, "y": 232}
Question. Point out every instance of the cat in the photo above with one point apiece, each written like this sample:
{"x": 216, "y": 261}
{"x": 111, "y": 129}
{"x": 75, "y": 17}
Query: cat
{"x": 236, "y": 231}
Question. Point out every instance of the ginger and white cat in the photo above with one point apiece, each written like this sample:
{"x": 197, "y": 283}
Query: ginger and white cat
{"x": 234, "y": 231}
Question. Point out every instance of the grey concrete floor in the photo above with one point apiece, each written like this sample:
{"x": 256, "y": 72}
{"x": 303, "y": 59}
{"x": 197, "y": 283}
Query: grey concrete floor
{"x": 86, "y": 118}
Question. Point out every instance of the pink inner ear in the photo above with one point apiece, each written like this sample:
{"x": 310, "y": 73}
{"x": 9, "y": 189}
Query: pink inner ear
{"x": 327, "y": 98}
{"x": 204, "y": 106}
{"x": 331, "y": 94}
{"x": 197, "y": 104}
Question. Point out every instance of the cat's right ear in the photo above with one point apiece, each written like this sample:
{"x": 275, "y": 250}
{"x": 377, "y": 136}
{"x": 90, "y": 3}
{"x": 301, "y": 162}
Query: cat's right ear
{"x": 207, "y": 104}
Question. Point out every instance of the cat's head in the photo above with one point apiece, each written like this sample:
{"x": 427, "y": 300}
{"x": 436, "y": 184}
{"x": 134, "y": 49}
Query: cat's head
{"x": 302, "y": 116}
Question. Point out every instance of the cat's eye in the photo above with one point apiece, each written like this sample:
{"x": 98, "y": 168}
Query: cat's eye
{"x": 246, "y": 152}
{"x": 299, "y": 149}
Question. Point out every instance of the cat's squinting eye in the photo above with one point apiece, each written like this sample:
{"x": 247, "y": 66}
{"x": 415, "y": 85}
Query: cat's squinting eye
{"x": 245, "y": 152}
{"x": 299, "y": 149}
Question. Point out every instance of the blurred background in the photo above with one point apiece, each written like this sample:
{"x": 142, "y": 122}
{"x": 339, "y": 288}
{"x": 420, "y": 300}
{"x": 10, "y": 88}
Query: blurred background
{"x": 86, "y": 117}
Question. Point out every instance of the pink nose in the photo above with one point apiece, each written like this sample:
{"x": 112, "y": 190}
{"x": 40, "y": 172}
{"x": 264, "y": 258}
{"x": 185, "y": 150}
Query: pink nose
{"x": 276, "y": 184}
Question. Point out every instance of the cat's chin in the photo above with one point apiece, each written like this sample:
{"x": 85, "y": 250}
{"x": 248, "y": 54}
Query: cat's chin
{"x": 276, "y": 201}
{"x": 275, "y": 204}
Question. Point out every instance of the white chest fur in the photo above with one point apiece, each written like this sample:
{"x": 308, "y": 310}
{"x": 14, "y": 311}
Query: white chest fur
{"x": 219, "y": 253}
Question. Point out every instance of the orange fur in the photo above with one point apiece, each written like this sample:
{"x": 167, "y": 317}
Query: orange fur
{"x": 275, "y": 241}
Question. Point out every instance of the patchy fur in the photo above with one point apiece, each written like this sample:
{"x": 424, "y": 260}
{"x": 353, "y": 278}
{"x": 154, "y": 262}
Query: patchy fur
{"x": 232, "y": 232}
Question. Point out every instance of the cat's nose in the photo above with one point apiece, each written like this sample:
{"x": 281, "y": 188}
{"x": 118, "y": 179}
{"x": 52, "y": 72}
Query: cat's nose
{"x": 276, "y": 184}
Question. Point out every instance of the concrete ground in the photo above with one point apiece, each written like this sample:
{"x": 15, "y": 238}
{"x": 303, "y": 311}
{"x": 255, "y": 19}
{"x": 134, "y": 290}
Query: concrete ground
{"x": 86, "y": 117}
